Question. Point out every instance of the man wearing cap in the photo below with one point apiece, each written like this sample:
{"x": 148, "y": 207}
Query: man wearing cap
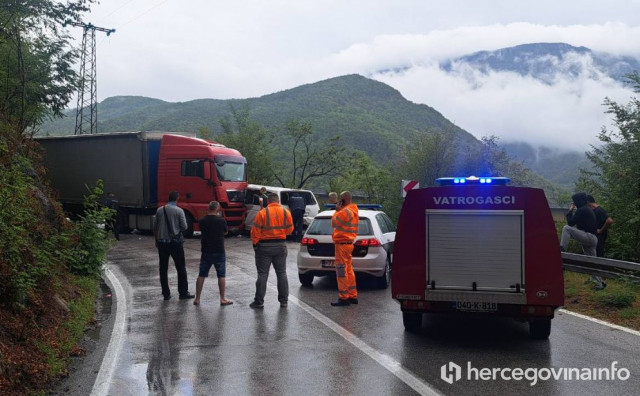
{"x": 269, "y": 234}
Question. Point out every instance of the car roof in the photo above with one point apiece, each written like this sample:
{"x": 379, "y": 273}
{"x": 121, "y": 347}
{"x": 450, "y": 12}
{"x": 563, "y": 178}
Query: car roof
{"x": 361, "y": 213}
{"x": 274, "y": 188}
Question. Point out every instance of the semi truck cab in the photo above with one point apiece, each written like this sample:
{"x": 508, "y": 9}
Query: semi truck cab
{"x": 476, "y": 245}
{"x": 202, "y": 171}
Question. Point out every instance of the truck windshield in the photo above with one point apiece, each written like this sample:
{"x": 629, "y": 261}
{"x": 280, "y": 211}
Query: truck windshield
{"x": 231, "y": 171}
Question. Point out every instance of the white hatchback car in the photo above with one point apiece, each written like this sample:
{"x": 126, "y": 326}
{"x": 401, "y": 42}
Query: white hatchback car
{"x": 372, "y": 253}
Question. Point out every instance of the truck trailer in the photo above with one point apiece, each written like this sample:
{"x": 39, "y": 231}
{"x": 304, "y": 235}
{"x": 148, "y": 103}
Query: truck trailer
{"x": 141, "y": 168}
{"x": 478, "y": 246}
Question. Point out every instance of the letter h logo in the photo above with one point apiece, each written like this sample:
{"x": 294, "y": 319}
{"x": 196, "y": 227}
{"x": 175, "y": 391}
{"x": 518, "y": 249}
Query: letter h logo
{"x": 450, "y": 372}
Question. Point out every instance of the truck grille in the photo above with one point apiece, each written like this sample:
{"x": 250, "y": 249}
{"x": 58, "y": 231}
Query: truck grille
{"x": 235, "y": 195}
{"x": 328, "y": 250}
{"x": 233, "y": 213}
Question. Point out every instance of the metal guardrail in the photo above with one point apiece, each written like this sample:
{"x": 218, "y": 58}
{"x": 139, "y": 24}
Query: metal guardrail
{"x": 608, "y": 268}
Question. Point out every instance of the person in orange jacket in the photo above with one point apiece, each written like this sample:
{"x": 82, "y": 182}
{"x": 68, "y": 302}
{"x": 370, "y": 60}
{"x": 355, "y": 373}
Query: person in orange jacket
{"x": 268, "y": 234}
{"x": 345, "y": 229}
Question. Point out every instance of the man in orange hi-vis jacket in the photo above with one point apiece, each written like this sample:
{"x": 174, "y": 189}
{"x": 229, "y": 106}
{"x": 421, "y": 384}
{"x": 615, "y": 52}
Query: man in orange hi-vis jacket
{"x": 345, "y": 229}
{"x": 269, "y": 234}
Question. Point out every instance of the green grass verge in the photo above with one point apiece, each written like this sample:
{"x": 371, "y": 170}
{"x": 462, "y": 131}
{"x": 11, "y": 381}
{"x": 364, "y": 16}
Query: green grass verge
{"x": 69, "y": 335}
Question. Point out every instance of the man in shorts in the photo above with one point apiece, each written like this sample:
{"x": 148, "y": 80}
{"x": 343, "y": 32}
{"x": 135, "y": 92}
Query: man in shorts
{"x": 213, "y": 228}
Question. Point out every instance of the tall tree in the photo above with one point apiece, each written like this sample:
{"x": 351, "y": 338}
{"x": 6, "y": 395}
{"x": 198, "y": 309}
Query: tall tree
{"x": 615, "y": 179}
{"x": 304, "y": 158}
{"x": 37, "y": 78}
{"x": 252, "y": 140}
{"x": 430, "y": 156}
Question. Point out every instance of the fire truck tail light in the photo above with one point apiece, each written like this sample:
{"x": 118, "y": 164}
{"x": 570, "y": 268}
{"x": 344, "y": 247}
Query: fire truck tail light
{"x": 368, "y": 242}
{"x": 308, "y": 241}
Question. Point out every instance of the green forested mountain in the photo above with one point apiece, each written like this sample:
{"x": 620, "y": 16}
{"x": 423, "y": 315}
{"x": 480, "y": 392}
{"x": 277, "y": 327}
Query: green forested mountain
{"x": 367, "y": 114}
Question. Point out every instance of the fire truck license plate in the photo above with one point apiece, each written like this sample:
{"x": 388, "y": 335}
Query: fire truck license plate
{"x": 328, "y": 264}
{"x": 476, "y": 306}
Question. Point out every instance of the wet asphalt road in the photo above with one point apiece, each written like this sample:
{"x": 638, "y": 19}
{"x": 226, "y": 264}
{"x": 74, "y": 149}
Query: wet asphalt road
{"x": 175, "y": 348}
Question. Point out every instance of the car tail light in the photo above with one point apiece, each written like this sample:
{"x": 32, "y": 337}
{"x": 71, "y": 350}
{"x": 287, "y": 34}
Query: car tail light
{"x": 368, "y": 242}
{"x": 308, "y": 241}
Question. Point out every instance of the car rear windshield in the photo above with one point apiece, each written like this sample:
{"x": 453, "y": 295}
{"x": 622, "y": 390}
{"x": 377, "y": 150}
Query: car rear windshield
{"x": 322, "y": 226}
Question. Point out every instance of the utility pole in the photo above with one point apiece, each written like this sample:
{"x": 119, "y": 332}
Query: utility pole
{"x": 87, "y": 109}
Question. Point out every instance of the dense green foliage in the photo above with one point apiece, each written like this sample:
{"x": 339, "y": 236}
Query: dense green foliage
{"x": 615, "y": 178}
{"x": 90, "y": 250}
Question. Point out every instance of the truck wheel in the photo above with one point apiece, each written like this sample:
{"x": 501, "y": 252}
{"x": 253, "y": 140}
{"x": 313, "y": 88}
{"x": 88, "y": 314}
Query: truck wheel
{"x": 189, "y": 231}
{"x": 412, "y": 321}
{"x": 539, "y": 329}
{"x": 383, "y": 281}
{"x": 305, "y": 279}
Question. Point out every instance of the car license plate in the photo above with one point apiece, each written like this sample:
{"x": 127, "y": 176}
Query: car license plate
{"x": 328, "y": 264}
{"x": 476, "y": 306}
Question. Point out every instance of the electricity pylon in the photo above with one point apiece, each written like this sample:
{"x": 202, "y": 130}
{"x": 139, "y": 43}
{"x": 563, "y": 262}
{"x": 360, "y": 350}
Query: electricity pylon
{"x": 87, "y": 109}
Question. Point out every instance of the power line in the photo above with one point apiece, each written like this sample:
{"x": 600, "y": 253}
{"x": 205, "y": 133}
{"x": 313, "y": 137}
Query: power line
{"x": 87, "y": 108}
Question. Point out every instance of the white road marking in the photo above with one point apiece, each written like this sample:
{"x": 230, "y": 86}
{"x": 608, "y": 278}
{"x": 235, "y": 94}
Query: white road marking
{"x": 108, "y": 366}
{"x": 386, "y": 361}
{"x": 602, "y": 322}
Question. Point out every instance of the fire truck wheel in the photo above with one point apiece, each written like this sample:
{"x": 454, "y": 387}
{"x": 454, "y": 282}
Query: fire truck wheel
{"x": 539, "y": 329}
{"x": 412, "y": 321}
{"x": 305, "y": 279}
{"x": 189, "y": 231}
{"x": 383, "y": 281}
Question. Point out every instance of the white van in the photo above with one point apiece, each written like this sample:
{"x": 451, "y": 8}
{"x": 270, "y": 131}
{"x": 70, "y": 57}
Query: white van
{"x": 253, "y": 207}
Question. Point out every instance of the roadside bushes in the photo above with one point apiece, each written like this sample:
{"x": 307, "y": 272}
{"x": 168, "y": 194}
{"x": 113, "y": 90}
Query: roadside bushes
{"x": 36, "y": 240}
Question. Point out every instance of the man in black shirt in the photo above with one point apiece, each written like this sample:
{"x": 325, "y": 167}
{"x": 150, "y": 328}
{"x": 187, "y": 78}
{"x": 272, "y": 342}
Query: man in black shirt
{"x": 213, "y": 228}
{"x": 582, "y": 217}
{"x": 603, "y": 222}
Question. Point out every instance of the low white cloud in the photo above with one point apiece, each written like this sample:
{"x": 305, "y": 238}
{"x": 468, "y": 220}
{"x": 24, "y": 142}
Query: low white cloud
{"x": 238, "y": 53}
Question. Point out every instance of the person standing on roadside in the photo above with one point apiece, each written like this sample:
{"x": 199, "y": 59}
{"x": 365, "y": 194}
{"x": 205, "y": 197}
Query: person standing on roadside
{"x": 168, "y": 225}
{"x": 213, "y": 228}
{"x": 345, "y": 230}
{"x": 268, "y": 235}
{"x": 333, "y": 197}
{"x": 603, "y": 222}
{"x": 297, "y": 207}
{"x": 261, "y": 198}
{"x": 113, "y": 223}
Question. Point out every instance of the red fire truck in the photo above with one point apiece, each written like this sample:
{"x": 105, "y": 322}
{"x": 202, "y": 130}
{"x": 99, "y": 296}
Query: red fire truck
{"x": 477, "y": 245}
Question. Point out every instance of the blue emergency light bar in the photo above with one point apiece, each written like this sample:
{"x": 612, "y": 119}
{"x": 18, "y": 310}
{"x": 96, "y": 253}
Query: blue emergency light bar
{"x": 360, "y": 206}
{"x": 451, "y": 181}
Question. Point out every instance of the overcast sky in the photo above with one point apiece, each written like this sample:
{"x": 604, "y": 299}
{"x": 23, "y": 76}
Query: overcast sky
{"x": 180, "y": 50}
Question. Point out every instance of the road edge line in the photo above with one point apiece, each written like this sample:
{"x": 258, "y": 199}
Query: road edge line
{"x": 600, "y": 321}
{"x": 386, "y": 361}
{"x": 107, "y": 368}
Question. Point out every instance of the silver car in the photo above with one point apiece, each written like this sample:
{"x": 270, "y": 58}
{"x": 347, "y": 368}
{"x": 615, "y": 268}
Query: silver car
{"x": 372, "y": 253}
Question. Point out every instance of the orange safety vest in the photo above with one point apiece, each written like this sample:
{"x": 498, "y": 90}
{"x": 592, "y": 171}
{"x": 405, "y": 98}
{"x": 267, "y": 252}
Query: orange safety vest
{"x": 345, "y": 224}
{"x": 272, "y": 222}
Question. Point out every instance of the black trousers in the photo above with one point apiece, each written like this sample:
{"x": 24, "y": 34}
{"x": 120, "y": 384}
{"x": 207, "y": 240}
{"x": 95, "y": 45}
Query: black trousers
{"x": 298, "y": 224}
{"x": 176, "y": 252}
